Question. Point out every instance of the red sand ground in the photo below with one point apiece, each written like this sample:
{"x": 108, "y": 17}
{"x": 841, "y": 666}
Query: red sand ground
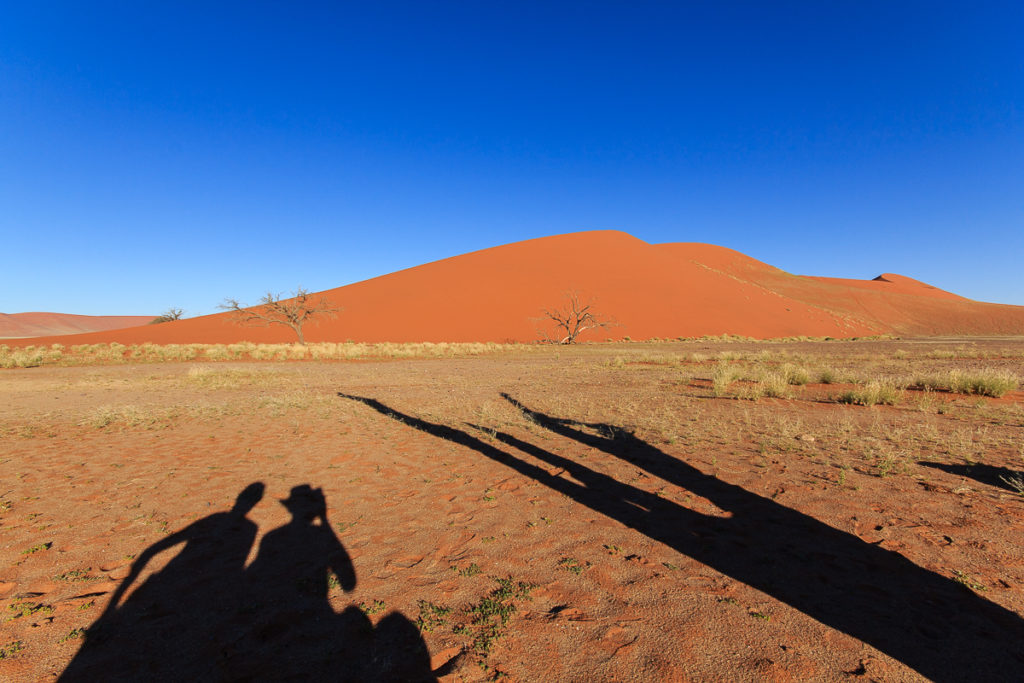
{"x": 651, "y": 291}
{"x": 664, "y": 533}
{"x": 16, "y": 325}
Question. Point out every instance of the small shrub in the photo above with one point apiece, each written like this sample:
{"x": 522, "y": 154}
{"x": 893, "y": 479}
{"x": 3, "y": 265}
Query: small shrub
{"x": 985, "y": 382}
{"x": 11, "y": 649}
{"x": 571, "y": 564}
{"x": 827, "y": 376}
{"x": 375, "y": 607}
{"x": 876, "y": 392}
{"x": 723, "y": 377}
{"x": 964, "y": 579}
{"x": 431, "y": 616}
{"x": 795, "y": 375}
{"x": 993, "y": 383}
{"x": 775, "y": 384}
{"x": 126, "y": 416}
{"x": 218, "y": 353}
{"x": 751, "y": 392}
{"x": 75, "y": 634}
{"x": 930, "y": 382}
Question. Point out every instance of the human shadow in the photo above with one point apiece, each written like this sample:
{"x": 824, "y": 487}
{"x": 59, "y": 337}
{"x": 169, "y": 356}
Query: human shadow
{"x": 206, "y": 617}
{"x": 930, "y": 623}
{"x": 999, "y": 477}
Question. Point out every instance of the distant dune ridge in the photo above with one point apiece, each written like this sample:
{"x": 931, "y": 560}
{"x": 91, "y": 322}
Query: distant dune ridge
{"x": 651, "y": 290}
{"x": 51, "y": 324}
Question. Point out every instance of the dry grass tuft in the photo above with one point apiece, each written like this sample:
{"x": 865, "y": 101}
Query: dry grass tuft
{"x": 102, "y": 354}
{"x": 982, "y": 382}
{"x": 30, "y": 356}
{"x": 875, "y": 392}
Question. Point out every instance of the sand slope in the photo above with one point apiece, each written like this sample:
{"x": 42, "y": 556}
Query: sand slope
{"x": 651, "y": 290}
{"x": 52, "y": 324}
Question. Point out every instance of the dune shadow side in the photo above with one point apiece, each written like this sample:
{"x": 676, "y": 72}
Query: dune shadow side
{"x": 986, "y": 474}
{"x": 928, "y": 622}
{"x": 205, "y": 616}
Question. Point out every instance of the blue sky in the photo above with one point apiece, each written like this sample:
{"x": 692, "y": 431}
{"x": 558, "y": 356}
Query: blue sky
{"x": 157, "y": 155}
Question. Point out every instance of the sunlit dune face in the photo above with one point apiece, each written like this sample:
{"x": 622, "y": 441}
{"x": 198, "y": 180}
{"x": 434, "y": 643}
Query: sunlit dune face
{"x": 642, "y": 290}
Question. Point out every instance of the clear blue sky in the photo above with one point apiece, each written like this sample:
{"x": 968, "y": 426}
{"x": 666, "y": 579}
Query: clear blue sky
{"x": 156, "y": 155}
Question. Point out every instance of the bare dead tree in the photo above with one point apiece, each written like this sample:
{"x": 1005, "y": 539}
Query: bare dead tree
{"x": 571, "y": 320}
{"x": 170, "y": 315}
{"x": 292, "y": 312}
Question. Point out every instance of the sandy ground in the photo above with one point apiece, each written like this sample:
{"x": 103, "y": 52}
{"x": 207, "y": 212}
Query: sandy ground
{"x": 591, "y": 513}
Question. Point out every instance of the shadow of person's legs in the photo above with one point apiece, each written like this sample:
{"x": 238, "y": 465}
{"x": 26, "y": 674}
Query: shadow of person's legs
{"x": 924, "y": 620}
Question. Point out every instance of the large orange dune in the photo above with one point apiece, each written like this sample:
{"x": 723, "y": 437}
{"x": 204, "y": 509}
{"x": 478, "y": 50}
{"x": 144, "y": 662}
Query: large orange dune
{"x": 52, "y": 324}
{"x": 651, "y": 290}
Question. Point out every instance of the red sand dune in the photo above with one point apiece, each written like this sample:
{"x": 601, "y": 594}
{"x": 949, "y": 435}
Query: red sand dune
{"x": 52, "y": 324}
{"x": 651, "y": 290}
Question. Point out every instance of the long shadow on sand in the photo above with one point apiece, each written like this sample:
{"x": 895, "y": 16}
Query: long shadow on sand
{"x": 207, "y": 617}
{"x": 999, "y": 477}
{"x": 930, "y": 623}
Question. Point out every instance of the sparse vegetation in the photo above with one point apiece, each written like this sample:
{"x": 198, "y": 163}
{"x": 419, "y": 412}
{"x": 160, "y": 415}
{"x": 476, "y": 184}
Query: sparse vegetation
{"x": 876, "y": 392}
{"x": 37, "y": 548}
{"x": 982, "y": 382}
{"x": 488, "y": 617}
{"x": 124, "y": 416}
{"x": 827, "y": 376}
{"x": 75, "y": 634}
{"x": 375, "y": 607}
{"x": 775, "y": 384}
{"x": 101, "y": 354}
{"x": 345, "y": 526}
{"x": 723, "y": 378}
{"x": 431, "y": 616}
{"x": 472, "y": 570}
{"x": 964, "y": 579}
{"x": 28, "y": 357}
{"x": 571, "y": 564}
{"x": 26, "y": 608}
{"x": 795, "y": 375}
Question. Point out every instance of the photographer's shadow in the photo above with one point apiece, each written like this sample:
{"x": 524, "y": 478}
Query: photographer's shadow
{"x": 206, "y": 617}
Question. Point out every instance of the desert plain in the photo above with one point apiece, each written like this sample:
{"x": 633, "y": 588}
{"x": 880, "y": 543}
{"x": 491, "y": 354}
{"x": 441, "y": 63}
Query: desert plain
{"x": 709, "y": 509}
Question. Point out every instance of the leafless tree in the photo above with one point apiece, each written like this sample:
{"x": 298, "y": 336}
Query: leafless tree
{"x": 167, "y": 316}
{"x": 292, "y": 312}
{"x": 571, "y": 320}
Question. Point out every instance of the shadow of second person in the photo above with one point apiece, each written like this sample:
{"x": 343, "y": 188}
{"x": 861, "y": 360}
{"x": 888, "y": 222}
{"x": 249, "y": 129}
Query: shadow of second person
{"x": 295, "y": 634}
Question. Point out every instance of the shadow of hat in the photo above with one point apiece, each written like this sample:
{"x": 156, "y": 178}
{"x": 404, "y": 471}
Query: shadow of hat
{"x": 303, "y": 495}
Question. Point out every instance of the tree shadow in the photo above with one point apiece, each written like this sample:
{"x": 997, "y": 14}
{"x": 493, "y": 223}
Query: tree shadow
{"x": 930, "y": 623}
{"x": 207, "y": 617}
{"x": 999, "y": 477}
